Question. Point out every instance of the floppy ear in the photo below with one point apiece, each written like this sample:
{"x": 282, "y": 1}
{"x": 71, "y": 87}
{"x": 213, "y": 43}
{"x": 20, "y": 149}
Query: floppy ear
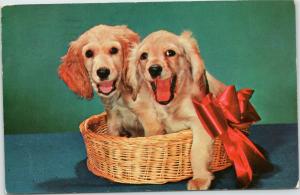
{"x": 130, "y": 36}
{"x": 215, "y": 86}
{"x": 73, "y": 72}
{"x": 129, "y": 41}
{"x": 197, "y": 64}
{"x": 131, "y": 73}
{"x": 192, "y": 53}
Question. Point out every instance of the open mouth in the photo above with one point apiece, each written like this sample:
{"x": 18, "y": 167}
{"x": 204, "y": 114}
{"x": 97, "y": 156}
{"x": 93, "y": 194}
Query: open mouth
{"x": 106, "y": 87}
{"x": 164, "y": 89}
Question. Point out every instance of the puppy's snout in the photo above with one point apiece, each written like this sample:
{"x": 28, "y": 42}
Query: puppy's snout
{"x": 103, "y": 73}
{"x": 155, "y": 70}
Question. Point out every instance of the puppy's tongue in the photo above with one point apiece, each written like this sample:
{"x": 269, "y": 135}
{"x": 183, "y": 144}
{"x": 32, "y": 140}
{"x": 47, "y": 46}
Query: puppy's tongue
{"x": 163, "y": 90}
{"x": 106, "y": 86}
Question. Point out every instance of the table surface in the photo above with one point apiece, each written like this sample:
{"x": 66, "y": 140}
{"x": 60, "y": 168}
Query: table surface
{"x": 56, "y": 163}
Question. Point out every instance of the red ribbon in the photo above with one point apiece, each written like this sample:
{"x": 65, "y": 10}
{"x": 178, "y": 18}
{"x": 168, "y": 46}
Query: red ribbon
{"x": 224, "y": 117}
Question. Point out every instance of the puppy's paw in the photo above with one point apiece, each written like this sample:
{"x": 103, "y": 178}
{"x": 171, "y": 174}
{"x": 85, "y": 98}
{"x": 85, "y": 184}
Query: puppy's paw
{"x": 199, "y": 183}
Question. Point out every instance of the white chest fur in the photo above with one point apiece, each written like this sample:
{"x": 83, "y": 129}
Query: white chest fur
{"x": 176, "y": 117}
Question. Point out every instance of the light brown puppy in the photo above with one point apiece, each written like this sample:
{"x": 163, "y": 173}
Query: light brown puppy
{"x": 169, "y": 71}
{"x": 96, "y": 61}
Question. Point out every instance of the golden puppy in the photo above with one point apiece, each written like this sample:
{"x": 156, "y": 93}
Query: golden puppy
{"x": 96, "y": 60}
{"x": 170, "y": 71}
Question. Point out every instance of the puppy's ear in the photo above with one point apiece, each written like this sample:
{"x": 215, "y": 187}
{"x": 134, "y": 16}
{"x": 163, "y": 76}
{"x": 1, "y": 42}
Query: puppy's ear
{"x": 130, "y": 36}
{"x": 73, "y": 72}
{"x": 131, "y": 73}
{"x": 129, "y": 41}
{"x": 215, "y": 86}
{"x": 192, "y": 54}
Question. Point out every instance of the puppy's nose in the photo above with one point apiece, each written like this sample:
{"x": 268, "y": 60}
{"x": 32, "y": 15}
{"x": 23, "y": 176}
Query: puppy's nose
{"x": 155, "y": 70}
{"x": 103, "y": 73}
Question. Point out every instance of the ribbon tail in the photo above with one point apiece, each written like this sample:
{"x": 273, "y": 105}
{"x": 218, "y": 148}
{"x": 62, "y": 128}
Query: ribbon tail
{"x": 243, "y": 169}
{"x": 257, "y": 160}
{"x": 239, "y": 159}
{"x": 247, "y": 159}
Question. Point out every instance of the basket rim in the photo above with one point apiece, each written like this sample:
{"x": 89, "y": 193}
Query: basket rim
{"x": 85, "y": 130}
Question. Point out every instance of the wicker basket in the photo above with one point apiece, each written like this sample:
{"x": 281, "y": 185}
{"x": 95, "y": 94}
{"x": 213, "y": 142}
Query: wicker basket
{"x": 142, "y": 160}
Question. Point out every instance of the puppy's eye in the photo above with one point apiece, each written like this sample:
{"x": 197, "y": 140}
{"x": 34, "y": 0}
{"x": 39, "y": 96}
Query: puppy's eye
{"x": 144, "y": 56}
{"x": 89, "y": 53}
{"x": 113, "y": 50}
{"x": 170, "y": 53}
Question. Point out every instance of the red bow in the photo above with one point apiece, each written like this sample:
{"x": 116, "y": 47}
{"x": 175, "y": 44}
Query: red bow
{"x": 225, "y": 116}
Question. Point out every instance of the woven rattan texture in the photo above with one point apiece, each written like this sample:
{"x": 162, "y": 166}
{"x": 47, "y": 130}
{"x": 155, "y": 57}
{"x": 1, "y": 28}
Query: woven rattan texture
{"x": 143, "y": 160}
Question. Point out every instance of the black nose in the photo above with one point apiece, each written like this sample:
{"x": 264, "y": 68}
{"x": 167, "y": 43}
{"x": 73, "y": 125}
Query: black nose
{"x": 155, "y": 70}
{"x": 103, "y": 73}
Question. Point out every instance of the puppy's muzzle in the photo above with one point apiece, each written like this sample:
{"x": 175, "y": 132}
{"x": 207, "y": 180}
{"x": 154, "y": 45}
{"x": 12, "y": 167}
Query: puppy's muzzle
{"x": 103, "y": 73}
{"x": 155, "y": 70}
{"x": 105, "y": 86}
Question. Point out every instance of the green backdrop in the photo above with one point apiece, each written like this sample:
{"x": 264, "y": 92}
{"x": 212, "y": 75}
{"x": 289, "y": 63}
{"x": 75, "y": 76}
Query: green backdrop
{"x": 249, "y": 44}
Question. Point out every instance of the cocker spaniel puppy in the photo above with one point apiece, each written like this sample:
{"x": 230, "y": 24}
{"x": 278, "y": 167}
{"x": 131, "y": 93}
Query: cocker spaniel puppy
{"x": 170, "y": 72}
{"x": 96, "y": 61}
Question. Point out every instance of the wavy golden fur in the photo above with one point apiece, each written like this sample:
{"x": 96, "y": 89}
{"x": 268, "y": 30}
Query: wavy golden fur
{"x": 102, "y": 47}
{"x": 181, "y": 79}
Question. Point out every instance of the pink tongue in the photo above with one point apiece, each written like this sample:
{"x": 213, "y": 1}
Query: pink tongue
{"x": 106, "y": 87}
{"x": 163, "y": 90}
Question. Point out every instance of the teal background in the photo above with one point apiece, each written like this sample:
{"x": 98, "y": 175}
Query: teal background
{"x": 249, "y": 44}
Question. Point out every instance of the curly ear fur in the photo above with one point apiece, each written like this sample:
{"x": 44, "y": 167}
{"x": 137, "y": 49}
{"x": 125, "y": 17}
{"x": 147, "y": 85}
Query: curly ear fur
{"x": 197, "y": 65}
{"x": 192, "y": 53}
{"x": 131, "y": 74}
{"x": 128, "y": 39}
{"x": 215, "y": 86}
{"x": 128, "y": 35}
{"x": 73, "y": 72}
